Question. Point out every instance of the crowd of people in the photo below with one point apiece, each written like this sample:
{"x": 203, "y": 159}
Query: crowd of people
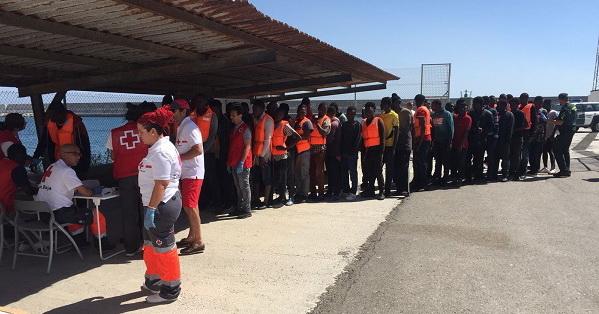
{"x": 163, "y": 156}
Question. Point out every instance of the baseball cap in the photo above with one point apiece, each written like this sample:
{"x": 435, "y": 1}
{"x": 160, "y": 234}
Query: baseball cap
{"x": 180, "y": 103}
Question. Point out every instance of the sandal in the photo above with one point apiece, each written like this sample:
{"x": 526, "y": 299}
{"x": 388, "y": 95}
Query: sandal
{"x": 194, "y": 248}
{"x": 183, "y": 243}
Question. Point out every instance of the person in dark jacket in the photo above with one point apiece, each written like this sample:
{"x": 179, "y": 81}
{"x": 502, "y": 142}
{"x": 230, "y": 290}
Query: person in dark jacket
{"x": 504, "y": 139}
{"x": 403, "y": 147}
{"x": 350, "y": 139}
{"x": 537, "y": 135}
{"x": 482, "y": 125}
{"x": 517, "y": 139}
{"x": 566, "y": 126}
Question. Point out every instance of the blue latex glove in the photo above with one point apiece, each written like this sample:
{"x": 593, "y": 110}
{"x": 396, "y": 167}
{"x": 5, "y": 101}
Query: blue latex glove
{"x": 239, "y": 168}
{"x": 149, "y": 218}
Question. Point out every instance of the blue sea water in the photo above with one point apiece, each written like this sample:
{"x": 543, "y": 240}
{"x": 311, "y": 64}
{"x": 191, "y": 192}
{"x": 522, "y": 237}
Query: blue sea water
{"x": 98, "y": 129}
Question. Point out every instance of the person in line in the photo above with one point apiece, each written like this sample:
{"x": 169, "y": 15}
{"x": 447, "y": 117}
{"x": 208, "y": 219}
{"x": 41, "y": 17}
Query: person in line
{"x": 490, "y": 104}
{"x": 373, "y": 138}
{"x": 550, "y": 130}
{"x": 504, "y": 140}
{"x": 530, "y": 122}
{"x": 127, "y": 151}
{"x": 63, "y": 127}
{"x": 403, "y": 148}
{"x": 422, "y": 142}
{"x": 391, "y": 121}
{"x": 482, "y": 125}
{"x": 342, "y": 117}
{"x": 318, "y": 145}
{"x": 57, "y": 188}
{"x": 566, "y": 126}
{"x": 13, "y": 177}
{"x": 442, "y": 138}
{"x": 261, "y": 174}
{"x": 9, "y": 134}
{"x": 207, "y": 120}
{"x": 284, "y": 138}
{"x": 290, "y": 152}
{"x": 459, "y": 146}
{"x": 306, "y": 102}
{"x": 189, "y": 145}
{"x": 159, "y": 174}
{"x": 223, "y": 201}
{"x": 517, "y": 139}
{"x": 350, "y": 143}
{"x": 303, "y": 127}
{"x": 537, "y": 135}
{"x": 333, "y": 159}
{"x": 239, "y": 162}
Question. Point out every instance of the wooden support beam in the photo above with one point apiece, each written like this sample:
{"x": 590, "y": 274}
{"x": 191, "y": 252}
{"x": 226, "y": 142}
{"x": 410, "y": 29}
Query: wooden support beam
{"x": 96, "y": 82}
{"x": 28, "y": 22}
{"x": 337, "y": 91}
{"x": 202, "y": 22}
{"x": 37, "y": 105}
{"x": 34, "y": 73}
{"x": 60, "y": 57}
{"x": 283, "y": 85}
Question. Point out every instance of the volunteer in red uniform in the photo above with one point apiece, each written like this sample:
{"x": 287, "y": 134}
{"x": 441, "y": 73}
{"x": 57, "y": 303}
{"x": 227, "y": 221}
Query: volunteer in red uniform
{"x": 284, "y": 138}
{"x": 261, "y": 174}
{"x": 373, "y": 139}
{"x": 239, "y": 162}
{"x": 318, "y": 144}
{"x": 159, "y": 174}
{"x": 9, "y": 134}
{"x": 64, "y": 127}
{"x": 13, "y": 176}
{"x": 207, "y": 121}
{"x": 189, "y": 145}
{"x": 127, "y": 151}
{"x": 57, "y": 188}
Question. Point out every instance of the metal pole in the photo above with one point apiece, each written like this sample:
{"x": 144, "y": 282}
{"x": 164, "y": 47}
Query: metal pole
{"x": 449, "y": 84}
{"x": 421, "y": 77}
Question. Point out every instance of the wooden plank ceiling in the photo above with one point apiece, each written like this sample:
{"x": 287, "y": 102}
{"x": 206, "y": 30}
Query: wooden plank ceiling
{"x": 222, "y": 48}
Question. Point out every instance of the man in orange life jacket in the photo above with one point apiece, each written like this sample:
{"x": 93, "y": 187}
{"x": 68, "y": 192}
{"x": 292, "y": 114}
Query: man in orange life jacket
{"x": 9, "y": 134}
{"x": 422, "y": 142}
{"x": 127, "y": 151}
{"x": 13, "y": 176}
{"x": 64, "y": 127}
{"x": 530, "y": 124}
{"x": 207, "y": 121}
{"x": 303, "y": 126}
{"x": 57, "y": 188}
{"x": 261, "y": 175}
{"x": 284, "y": 137}
{"x": 373, "y": 138}
{"x": 318, "y": 144}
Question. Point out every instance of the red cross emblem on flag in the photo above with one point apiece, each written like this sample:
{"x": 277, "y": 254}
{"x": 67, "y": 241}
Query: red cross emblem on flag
{"x": 129, "y": 139}
{"x": 47, "y": 173}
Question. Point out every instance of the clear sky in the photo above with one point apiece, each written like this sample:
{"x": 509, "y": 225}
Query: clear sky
{"x": 541, "y": 47}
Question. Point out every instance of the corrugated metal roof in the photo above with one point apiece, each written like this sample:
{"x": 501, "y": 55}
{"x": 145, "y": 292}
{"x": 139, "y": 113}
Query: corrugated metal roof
{"x": 125, "y": 36}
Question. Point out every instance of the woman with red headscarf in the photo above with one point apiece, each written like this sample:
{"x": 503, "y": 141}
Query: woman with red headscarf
{"x": 159, "y": 174}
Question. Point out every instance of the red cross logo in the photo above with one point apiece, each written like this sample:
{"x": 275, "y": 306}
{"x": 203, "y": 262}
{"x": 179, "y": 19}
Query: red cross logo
{"x": 47, "y": 174}
{"x": 129, "y": 139}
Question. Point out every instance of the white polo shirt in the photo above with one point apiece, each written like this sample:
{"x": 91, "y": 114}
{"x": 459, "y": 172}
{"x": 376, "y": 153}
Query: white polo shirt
{"x": 188, "y": 135}
{"x": 58, "y": 185}
{"x": 161, "y": 163}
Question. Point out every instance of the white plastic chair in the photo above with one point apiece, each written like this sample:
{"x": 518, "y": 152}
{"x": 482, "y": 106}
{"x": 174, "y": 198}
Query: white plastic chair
{"x": 27, "y": 215}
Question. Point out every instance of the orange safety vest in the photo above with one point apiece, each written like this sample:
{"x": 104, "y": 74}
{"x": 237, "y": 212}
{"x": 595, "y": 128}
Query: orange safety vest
{"x": 370, "y": 133}
{"x": 279, "y": 138}
{"x": 260, "y": 135}
{"x": 303, "y": 144}
{"x": 203, "y": 122}
{"x": 315, "y": 137}
{"x": 63, "y": 135}
{"x": 526, "y": 110}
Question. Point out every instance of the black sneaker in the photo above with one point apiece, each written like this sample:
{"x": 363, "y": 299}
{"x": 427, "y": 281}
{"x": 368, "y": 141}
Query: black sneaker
{"x": 244, "y": 215}
{"x": 380, "y": 197}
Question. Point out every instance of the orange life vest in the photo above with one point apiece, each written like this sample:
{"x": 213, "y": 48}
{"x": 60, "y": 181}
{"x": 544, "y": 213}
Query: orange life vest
{"x": 526, "y": 109}
{"x": 203, "y": 122}
{"x": 260, "y": 135}
{"x": 303, "y": 144}
{"x": 63, "y": 135}
{"x": 370, "y": 132}
{"x": 315, "y": 137}
{"x": 279, "y": 138}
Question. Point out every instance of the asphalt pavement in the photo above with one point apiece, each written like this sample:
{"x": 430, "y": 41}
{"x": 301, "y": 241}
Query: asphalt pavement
{"x": 516, "y": 247}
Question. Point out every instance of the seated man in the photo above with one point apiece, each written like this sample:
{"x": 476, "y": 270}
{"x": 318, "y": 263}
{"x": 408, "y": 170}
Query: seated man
{"x": 13, "y": 176}
{"x": 57, "y": 188}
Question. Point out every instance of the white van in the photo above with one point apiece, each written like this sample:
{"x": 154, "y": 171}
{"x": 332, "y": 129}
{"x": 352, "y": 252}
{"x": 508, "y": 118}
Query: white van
{"x": 587, "y": 115}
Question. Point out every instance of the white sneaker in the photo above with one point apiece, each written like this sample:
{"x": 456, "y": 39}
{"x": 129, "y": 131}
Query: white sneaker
{"x": 553, "y": 171}
{"x": 156, "y": 298}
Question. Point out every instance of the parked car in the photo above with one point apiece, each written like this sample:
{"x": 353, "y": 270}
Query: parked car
{"x": 587, "y": 115}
